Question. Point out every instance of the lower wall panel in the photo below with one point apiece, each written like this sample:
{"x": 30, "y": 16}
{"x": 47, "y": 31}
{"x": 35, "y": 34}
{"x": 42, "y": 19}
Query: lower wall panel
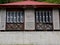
{"x": 33, "y": 38}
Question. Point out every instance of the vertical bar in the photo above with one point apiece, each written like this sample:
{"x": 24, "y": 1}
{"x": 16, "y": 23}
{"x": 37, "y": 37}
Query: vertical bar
{"x": 46, "y": 16}
{"x": 15, "y": 17}
{"x": 37, "y": 17}
{"x": 21, "y": 17}
{"x": 7, "y": 17}
{"x": 43, "y": 17}
{"x": 40, "y": 17}
{"x": 12, "y": 15}
{"x": 50, "y": 17}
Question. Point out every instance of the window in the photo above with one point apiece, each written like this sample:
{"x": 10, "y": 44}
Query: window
{"x": 44, "y": 20}
{"x": 14, "y": 17}
{"x": 15, "y": 20}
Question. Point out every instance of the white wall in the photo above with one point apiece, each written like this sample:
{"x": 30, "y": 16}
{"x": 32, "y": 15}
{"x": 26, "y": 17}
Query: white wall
{"x": 59, "y": 19}
{"x": 36, "y": 38}
{"x": 29, "y": 19}
{"x": 2, "y": 19}
{"x": 56, "y": 19}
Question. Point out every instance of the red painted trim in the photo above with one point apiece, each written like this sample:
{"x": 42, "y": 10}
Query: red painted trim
{"x": 30, "y": 6}
{"x": 27, "y": 6}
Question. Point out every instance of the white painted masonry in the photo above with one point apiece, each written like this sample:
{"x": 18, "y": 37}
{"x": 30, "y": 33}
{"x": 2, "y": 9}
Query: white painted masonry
{"x": 36, "y": 38}
{"x": 29, "y": 19}
{"x": 56, "y": 19}
{"x": 2, "y": 19}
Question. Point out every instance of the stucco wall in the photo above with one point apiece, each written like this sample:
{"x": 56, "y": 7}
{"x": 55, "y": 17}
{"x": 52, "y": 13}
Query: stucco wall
{"x": 56, "y": 19}
{"x": 2, "y": 19}
{"x": 36, "y": 38}
{"x": 29, "y": 19}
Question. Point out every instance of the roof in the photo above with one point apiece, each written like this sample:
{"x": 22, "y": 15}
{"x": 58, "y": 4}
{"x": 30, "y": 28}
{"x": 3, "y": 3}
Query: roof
{"x": 30, "y": 3}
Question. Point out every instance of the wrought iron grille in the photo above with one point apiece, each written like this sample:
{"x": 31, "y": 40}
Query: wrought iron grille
{"x": 14, "y": 26}
{"x": 43, "y": 20}
{"x": 41, "y": 26}
{"x": 14, "y": 20}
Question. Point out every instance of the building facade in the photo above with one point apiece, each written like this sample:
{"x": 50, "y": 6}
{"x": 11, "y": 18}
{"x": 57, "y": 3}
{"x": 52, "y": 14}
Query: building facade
{"x": 29, "y": 18}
